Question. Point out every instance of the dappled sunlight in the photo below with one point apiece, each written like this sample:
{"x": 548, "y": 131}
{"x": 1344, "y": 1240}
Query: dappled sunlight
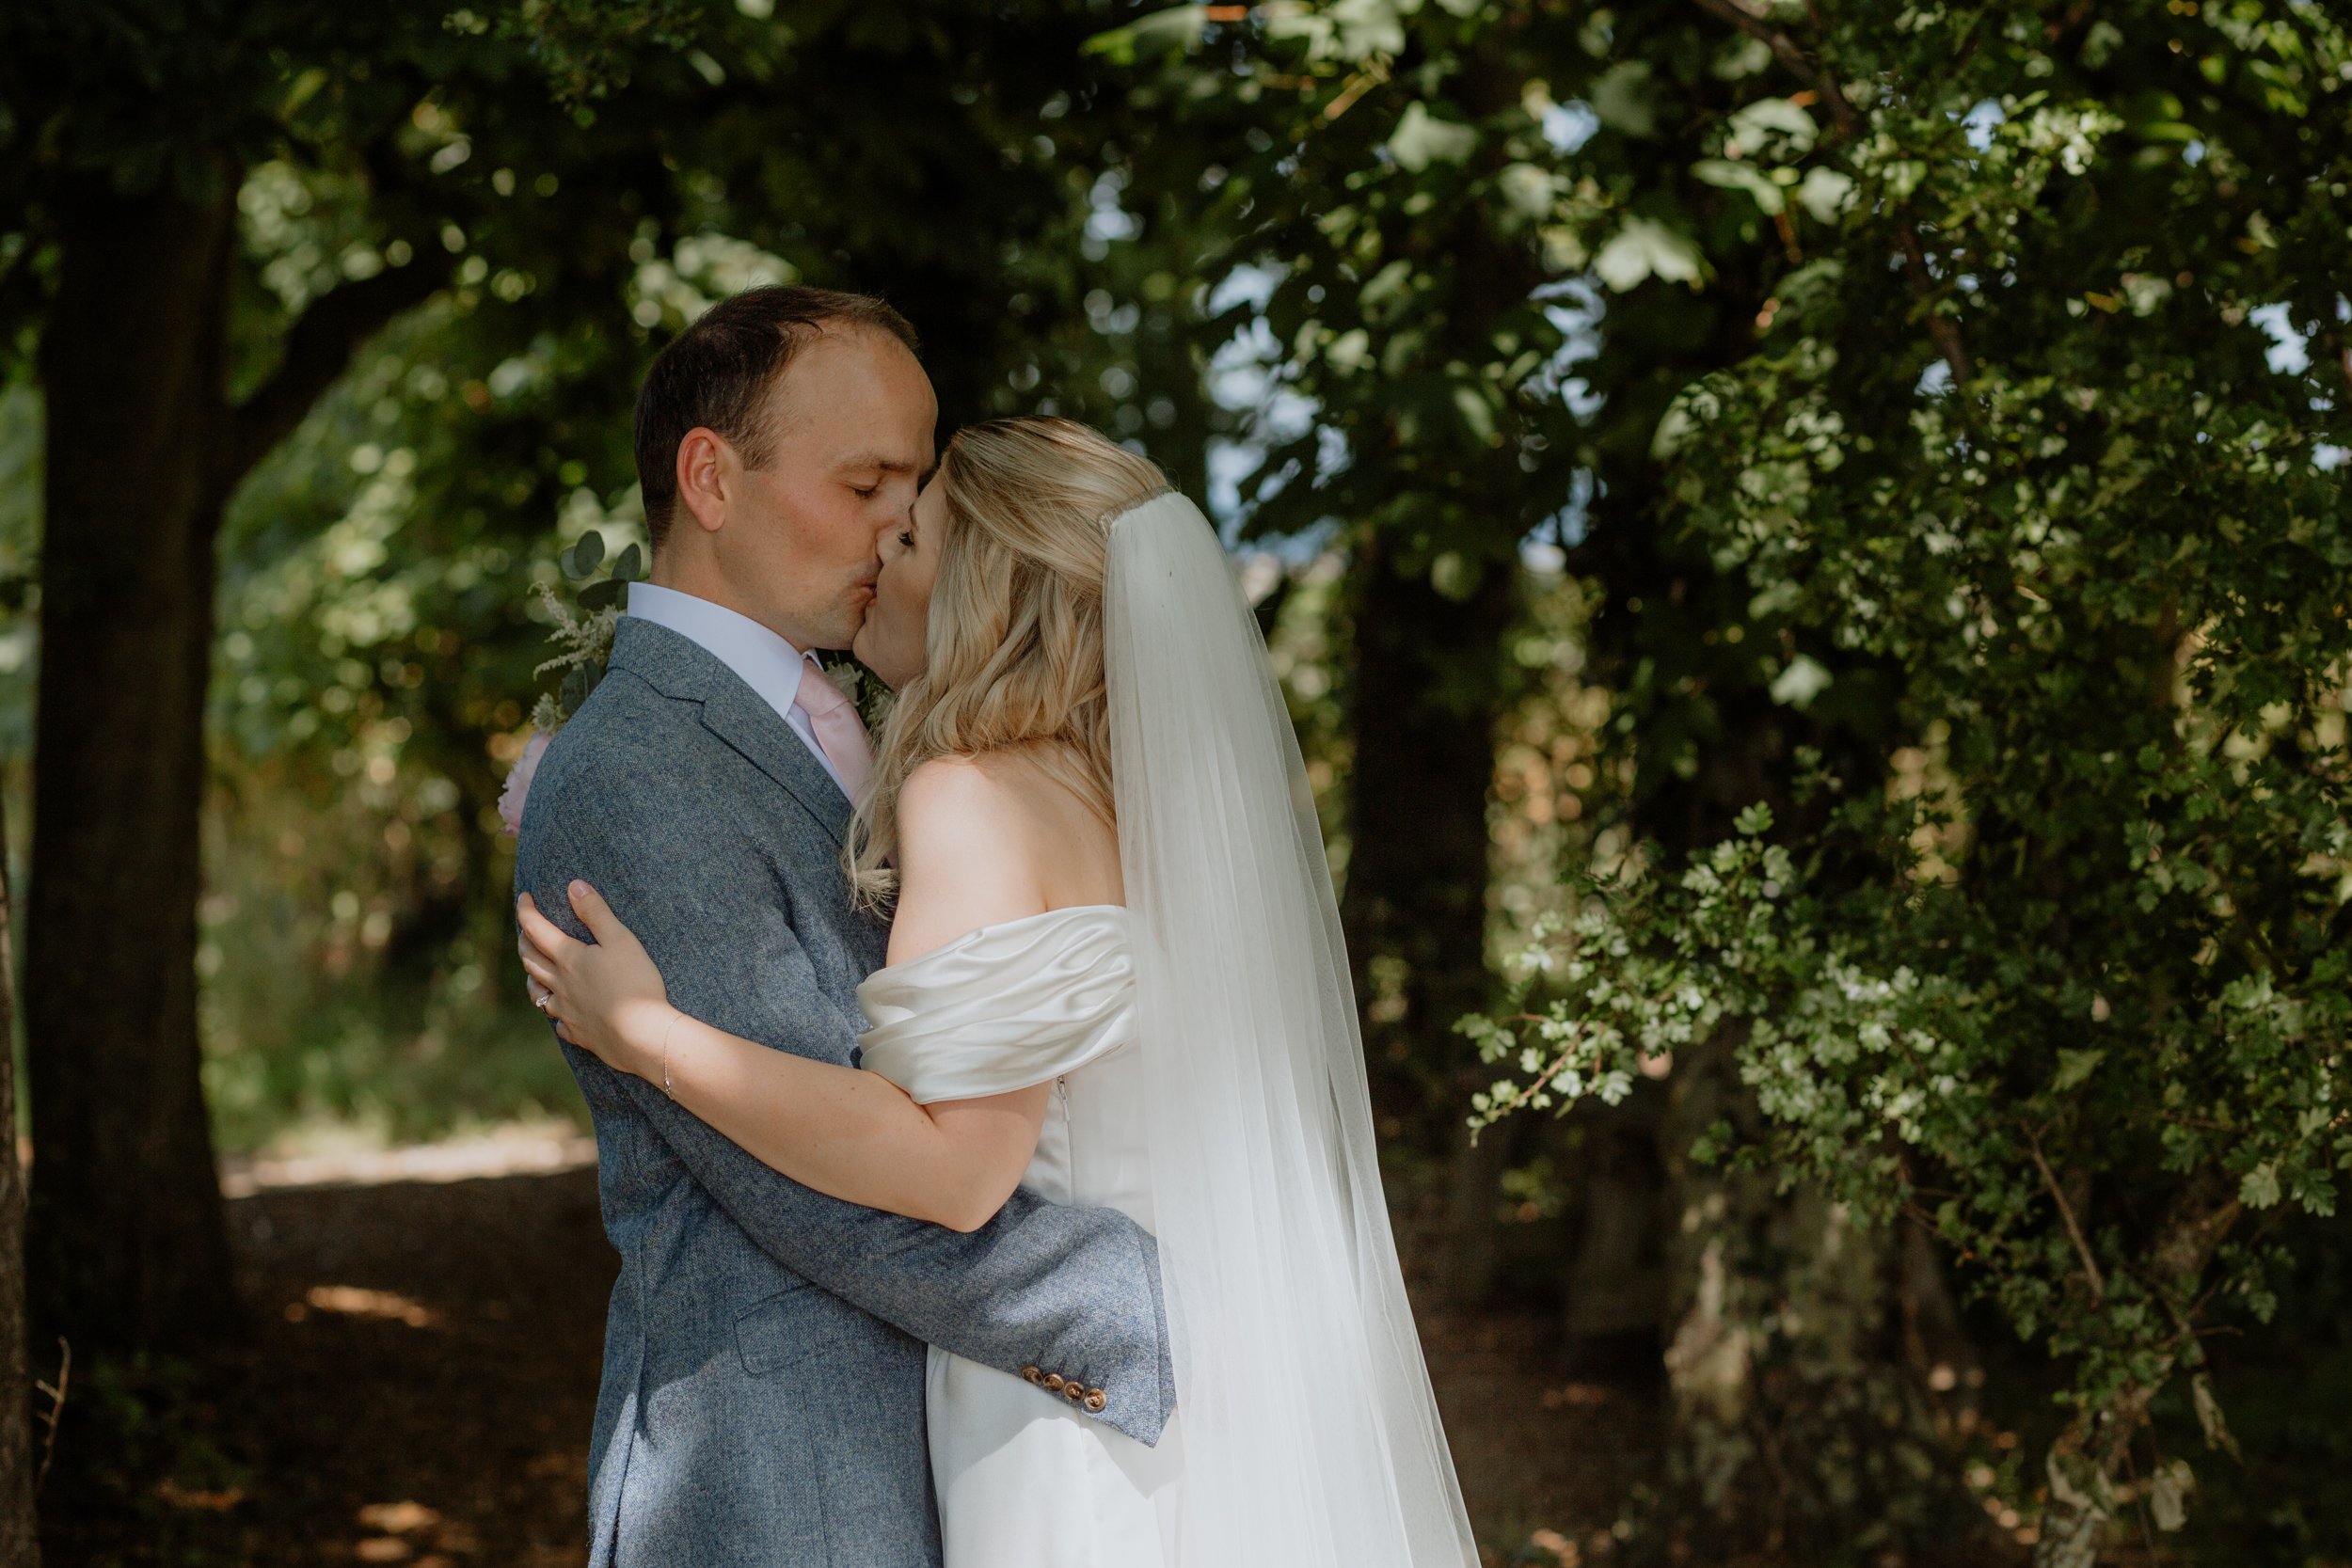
{"x": 412, "y": 1533}
{"x": 356, "y": 1301}
{"x": 514, "y": 1149}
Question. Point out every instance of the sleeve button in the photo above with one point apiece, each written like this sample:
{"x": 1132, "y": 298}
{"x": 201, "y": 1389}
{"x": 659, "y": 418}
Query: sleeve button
{"x": 1033, "y": 1374}
{"x": 1096, "y": 1399}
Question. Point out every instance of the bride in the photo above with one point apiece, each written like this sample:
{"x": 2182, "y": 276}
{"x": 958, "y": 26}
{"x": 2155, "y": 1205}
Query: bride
{"x": 1115, "y": 977}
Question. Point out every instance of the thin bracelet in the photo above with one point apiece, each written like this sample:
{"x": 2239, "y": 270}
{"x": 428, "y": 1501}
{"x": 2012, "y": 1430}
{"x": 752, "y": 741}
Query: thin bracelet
{"x": 666, "y": 1033}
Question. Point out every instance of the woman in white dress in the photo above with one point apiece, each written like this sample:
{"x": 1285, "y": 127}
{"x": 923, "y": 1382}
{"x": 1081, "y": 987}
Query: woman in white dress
{"x": 1115, "y": 977}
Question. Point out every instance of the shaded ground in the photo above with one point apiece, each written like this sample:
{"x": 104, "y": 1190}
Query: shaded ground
{"x": 418, "y": 1387}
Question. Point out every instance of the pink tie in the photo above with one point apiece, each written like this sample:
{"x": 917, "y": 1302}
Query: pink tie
{"x": 840, "y": 734}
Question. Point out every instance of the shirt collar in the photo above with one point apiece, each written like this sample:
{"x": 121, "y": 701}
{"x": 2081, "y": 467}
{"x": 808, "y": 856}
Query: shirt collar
{"x": 767, "y": 662}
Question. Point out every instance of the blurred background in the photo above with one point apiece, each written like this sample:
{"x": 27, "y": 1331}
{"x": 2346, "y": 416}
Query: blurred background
{"x": 1807, "y": 545}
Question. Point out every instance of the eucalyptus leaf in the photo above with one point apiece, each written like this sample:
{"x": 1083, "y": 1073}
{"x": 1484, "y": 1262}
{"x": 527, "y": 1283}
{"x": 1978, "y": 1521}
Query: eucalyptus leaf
{"x": 585, "y": 554}
{"x": 579, "y": 681}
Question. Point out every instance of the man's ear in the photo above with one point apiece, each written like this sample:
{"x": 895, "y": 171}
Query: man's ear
{"x": 707, "y": 476}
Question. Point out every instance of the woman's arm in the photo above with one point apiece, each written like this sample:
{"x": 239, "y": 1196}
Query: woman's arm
{"x": 847, "y": 1132}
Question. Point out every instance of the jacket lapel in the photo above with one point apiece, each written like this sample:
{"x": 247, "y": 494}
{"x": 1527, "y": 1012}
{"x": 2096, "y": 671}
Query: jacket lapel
{"x": 678, "y": 666}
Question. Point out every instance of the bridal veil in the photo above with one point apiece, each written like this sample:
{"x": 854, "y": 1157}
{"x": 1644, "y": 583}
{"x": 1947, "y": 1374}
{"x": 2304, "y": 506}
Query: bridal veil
{"x": 1311, "y": 1435}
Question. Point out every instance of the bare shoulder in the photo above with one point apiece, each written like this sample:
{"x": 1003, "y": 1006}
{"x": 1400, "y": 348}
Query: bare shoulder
{"x": 965, "y": 856}
{"x": 964, "y": 808}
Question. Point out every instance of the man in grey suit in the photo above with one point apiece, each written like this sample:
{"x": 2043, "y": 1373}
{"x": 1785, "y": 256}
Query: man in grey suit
{"x": 762, "y": 1402}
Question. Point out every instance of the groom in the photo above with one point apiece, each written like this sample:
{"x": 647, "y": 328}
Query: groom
{"x": 762, "y": 1402}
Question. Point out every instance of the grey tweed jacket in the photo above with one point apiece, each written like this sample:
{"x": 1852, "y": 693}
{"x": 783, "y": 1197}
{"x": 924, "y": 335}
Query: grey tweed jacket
{"x": 762, "y": 1402}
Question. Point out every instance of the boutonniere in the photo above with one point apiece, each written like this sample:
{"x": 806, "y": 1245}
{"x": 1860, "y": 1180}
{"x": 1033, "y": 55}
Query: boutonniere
{"x": 864, "y": 689}
{"x": 582, "y": 631}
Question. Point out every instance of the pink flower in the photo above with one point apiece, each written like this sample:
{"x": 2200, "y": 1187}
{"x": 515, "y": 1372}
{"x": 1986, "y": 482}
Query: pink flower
{"x": 518, "y": 783}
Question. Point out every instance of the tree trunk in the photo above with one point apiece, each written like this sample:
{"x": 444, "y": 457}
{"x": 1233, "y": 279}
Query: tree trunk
{"x": 1799, "y": 1427}
{"x": 1415, "y": 905}
{"x": 1422, "y": 712}
{"x": 128, "y": 1244}
{"x": 20, "y": 1545}
{"x": 2087, "y": 1460}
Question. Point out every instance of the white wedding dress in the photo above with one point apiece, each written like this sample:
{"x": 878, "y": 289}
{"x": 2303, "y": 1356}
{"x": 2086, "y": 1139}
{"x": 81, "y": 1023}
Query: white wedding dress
{"x": 1026, "y": 1477}
{"x": 1209, "y": 1081}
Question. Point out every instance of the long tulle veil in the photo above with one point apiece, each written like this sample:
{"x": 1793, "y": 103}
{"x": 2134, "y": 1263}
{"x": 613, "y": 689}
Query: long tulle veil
{"x": 1311, "y": 1435}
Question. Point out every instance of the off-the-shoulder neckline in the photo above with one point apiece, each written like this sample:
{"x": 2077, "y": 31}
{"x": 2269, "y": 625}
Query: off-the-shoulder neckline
{"x": 994, "y": 926}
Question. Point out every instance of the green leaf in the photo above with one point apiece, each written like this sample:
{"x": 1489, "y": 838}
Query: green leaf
{"x": 1754, "y": 820}
{"x": 1725, "y": 175}
{"x": 2260, "y": 1190}
{"x": 1529, "y": 191}
{"x": 1804, "y": 679}
{"x": 1389, "y": 285}
{"x": 584, "y": 557}
{"x": 1621, "y": 97}
{"x": 1812, "y": 287}
{"x": 2073, "y": 1068}
{"x": 1351, "y": 351}
{"x": 631, "y": 566}
{"x": 1478, "y": 416}
{"x": 597, "y": 595}
{"x": 578, "y": 682}
{"x": 1643, "y": 249}
{"x": 1771, "y": 127}
{"x": 1173, "y": 31}
{"x": 1826, "y": 193}
{"x": 1422, "y": 139}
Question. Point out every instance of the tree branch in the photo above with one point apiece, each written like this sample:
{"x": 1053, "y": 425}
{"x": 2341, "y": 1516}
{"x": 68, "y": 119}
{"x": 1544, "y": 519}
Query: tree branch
{"x": 2197, "y": 1219}
{"x": 1785, "y": 50}
{"x": 2066, "y": 1213}
{"x": 319, "y": 349}
{"x": 1841, "y": 114}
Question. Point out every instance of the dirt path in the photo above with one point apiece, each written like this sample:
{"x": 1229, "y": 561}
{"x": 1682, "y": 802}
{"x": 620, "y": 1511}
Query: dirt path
{"x": 422, "y": 1373}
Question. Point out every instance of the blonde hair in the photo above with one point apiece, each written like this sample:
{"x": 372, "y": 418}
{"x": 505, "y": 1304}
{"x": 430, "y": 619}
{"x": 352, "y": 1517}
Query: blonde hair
{"x": 1013, "y": 645}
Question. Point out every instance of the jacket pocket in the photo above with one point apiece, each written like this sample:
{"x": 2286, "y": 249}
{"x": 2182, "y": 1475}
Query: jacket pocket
{"x": 802, "y": 1323}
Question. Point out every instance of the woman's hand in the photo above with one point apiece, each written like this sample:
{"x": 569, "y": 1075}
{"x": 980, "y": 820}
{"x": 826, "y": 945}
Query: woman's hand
{"x": 605, "y": 996}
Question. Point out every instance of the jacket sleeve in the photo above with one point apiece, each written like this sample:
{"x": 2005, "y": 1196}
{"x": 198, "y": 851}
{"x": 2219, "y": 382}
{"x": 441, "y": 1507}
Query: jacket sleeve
{"x": 1068, "y": 1290}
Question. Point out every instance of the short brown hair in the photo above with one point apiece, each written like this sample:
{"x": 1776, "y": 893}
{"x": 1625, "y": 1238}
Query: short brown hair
{"x": 717, "y": 373}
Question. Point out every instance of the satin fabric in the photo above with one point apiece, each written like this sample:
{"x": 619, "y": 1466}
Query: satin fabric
{"x": 1025, "y": 1479}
